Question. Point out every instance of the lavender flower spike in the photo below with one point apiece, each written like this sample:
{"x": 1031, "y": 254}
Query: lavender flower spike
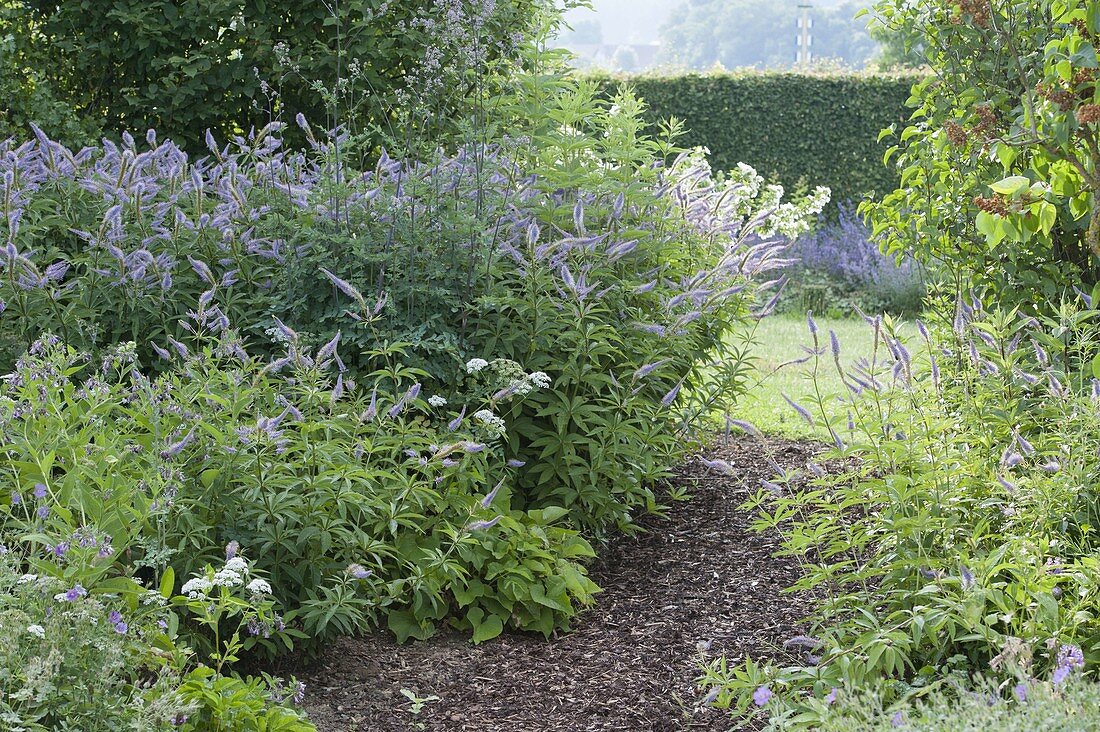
{"x": 482, "y": 525}
{"x": 670, "y": 397}
{"x": 176, "y": 447}
{"x": 345, "y": 287}
{"x": 488, "y": 499}
{"x": 748, "y": 427}
{"x": 802, "y": 411}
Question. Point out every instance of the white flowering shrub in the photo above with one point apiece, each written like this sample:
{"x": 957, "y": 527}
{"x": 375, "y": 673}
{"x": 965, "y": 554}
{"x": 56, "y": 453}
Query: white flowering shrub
{"x": 56, "y": 636}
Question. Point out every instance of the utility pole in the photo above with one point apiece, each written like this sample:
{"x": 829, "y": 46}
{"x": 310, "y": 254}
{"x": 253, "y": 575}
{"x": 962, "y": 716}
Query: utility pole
{"x": 804, "y": 38}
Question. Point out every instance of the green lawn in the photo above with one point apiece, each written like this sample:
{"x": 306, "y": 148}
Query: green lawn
{"x": 780, "y": 339}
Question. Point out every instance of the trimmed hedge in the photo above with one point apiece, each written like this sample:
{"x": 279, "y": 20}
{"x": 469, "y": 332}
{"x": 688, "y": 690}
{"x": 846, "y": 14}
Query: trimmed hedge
{"x": 798, "y": 128}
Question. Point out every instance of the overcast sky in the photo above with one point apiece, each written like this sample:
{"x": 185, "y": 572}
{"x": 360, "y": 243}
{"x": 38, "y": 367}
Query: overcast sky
{"x": 628, "y": 21}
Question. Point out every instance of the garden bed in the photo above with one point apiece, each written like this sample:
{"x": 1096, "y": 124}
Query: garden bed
{"x": 699, "y": 583}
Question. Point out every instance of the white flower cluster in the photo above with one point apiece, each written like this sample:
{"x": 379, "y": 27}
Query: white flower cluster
{"x": 492, "y": 423}
{"x": 539, "y": 379}
{"x": 37, "y": 631}
{"x": 227, "y": 577}
{"x": 237, "y": 564}
{"x": 791, "y": 219}
{"x": 196, "y": 587}
{"x": 259, "y": 587}
{"x": 437, "y": 401}
{"x": 474, "y": 365}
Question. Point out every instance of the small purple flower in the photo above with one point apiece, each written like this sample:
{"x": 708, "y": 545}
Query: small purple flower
{"x": 967, "y": 578}
{"x": 1020, "y": 691}
{"x": 761, "y": 696}
{"x": 75, "y": 593}
{"x": 114, "y": 617}
{"x": 1060, "y": 675}
{"x": 830, "y": 698}
{"x": 43, "y": 512}
{"x": 1070, "y": 656}
{"x": 898, "y": 720}
{"x": 358, "y": 571}
{"x": 513, "y": 463}
{"x": 231, "y": 549}
{"x": 16, "y": 499}
{"x": 121, "y": 627}
{"x": 60, "y": 548}
{"x": 40, "y": 490}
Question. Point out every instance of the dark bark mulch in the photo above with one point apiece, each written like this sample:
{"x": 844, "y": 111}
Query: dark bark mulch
{"x": 697, "y": 585}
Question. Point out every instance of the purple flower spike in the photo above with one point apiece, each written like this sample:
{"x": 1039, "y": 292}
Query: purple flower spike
{"x": 482, "y": 525}
{"x": 802, "y": 411}
{"x": 488, "y": 499}
{"x": 670, "y": 397}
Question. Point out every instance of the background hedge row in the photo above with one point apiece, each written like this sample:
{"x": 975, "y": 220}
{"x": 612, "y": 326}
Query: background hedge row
{"x": 797, "y": 128}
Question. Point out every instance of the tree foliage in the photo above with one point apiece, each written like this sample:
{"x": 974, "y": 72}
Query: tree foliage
{"x": 230, "y": 64}
{"x": 999, "y": 167}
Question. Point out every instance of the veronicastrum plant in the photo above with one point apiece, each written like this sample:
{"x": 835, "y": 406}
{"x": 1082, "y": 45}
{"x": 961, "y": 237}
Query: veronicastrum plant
{"x": 961, "y": 542}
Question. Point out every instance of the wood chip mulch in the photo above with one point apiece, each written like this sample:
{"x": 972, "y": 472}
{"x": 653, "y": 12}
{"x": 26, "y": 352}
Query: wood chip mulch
{"x": 694, "y": 586}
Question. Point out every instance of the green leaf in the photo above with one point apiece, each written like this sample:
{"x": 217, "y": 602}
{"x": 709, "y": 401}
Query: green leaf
{"x": 167, "y": 582}
{"x": 490, "y": 628}
{"x": 1010, "y": 186}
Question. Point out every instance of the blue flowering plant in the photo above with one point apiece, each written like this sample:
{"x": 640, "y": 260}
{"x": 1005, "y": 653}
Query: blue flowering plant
{"x": 960, "y": 543}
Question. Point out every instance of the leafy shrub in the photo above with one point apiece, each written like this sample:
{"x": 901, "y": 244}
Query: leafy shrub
{"x": 537, "y": 255}
{"x": 30, "y": 99}
{"x": 104, "y": 657}
{"x": 839, "y": 268}
{"x": 356, "y": 507}
{"x": 228, "y": 66}
{"x": 962, "y": 542}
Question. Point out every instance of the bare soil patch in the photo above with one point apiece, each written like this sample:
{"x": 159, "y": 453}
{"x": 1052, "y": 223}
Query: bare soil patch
{"x": 697, "y": 584}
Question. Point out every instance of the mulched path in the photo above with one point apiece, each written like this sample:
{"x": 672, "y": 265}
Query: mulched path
{"x": 697, "y": 585}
